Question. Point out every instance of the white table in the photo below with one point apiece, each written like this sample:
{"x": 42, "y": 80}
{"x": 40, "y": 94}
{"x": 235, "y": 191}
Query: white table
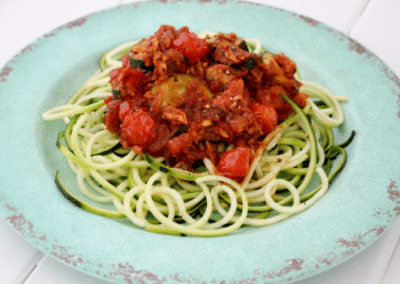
{"x": 373, "y": 23}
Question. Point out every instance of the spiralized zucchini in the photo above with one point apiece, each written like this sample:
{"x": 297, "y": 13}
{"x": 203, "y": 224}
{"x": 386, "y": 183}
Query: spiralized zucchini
{"x": 167, "y": 200}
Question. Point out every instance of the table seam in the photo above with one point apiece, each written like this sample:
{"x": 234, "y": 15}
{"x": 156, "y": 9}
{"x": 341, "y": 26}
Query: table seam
{"x": 396, "y": 247}
{"x": 33, "y": 262}
{"x": 356, "y": 16}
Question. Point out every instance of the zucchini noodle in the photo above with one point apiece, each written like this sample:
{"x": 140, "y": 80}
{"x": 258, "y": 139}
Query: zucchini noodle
{"x": 280, "y": 182}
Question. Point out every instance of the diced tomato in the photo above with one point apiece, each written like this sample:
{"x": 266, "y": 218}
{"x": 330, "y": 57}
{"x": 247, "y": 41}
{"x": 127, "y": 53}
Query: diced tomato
{"x": 126, "y": 61}
{"x": 114, "y": 73}
{"x": 138, "y": 128}
{"x": 235, "y": 163}
{"x": 126, "y": 80}
{"x": 266, "y": 116}
{"x": 130, "y": 79}
{"x": 288, "y": 65}
{"x": 179, "y": 144}
{"x": 300, "y": 99}
{"x": 162, "y": 137}
{"x": 129, "y": 105}
{"x": 108, "y": 99}
{"x": 111, "y": 117}
{"x": 284, "y": 114}
{"x": 124, "y": 109}
{"x": 190, "y": 45}
{"x": 270, "y": 97}
{"x": 114, "y": 78}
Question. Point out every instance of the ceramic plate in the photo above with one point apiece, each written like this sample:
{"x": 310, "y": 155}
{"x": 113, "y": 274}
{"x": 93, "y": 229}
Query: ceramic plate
{"x": 360, "y": 205}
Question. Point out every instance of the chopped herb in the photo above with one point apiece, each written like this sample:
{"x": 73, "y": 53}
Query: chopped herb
{"x": 116, "y": 94}
{"x": 251, "y": 63}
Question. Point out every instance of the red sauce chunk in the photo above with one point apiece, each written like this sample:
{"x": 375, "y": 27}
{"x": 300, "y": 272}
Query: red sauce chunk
{"x": 185, "y": 98}
{"x": 191, "y": 46}
{"x": 235, "y": 163}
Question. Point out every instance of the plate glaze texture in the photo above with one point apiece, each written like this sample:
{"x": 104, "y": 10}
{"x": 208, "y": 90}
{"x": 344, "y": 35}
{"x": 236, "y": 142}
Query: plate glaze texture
{"x": 361, "y": 204}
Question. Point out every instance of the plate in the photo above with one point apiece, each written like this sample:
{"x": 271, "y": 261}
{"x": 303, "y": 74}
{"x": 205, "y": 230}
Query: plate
{"x": 361, "y": 204}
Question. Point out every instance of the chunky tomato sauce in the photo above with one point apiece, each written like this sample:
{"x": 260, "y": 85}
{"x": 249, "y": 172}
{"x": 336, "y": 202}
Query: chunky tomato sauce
{"x": 186, "y": 98}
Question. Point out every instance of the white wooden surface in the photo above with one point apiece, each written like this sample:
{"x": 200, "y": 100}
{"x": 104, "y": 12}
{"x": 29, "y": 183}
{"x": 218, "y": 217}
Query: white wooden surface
{"x": 374, "y": 23}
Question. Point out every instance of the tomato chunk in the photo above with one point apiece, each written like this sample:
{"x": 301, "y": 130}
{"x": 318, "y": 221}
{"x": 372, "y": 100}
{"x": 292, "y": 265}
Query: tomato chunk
{"x": 125, "y": 109}
{"x": 180, "y": 144}
{"x": 126, "y": 80}
{"x": 190, "y": 45}
{"x": 138, "y": 128}
{"x": 266, "y": 116}
{"x": 111, "y": 117}
{"x": 125, "y": 61}
{"x": 270, "y": 96}
{"x": 235, "y": 163}
{"x": 161, "y": 140}
{"x": 128, "y": 106}
{"x": 300, "y": 99}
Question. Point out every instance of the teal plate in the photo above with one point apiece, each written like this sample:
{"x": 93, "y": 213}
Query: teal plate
{"x": 361, "y": 204}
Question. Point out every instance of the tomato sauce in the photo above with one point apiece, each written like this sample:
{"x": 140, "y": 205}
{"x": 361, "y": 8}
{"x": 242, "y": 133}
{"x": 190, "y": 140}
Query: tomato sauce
{"x": 184, "y": 98}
